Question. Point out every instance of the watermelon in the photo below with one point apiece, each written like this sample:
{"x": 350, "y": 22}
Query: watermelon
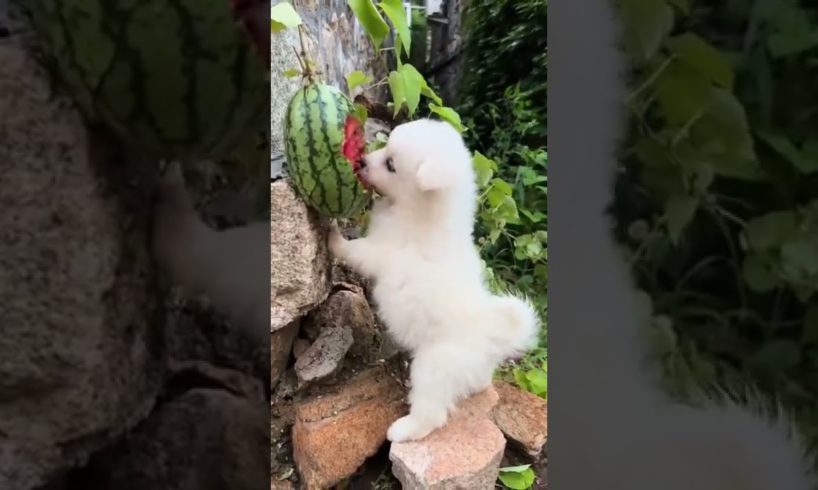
{"x": 323, "y": 146}
{"x": 174, "y": 79}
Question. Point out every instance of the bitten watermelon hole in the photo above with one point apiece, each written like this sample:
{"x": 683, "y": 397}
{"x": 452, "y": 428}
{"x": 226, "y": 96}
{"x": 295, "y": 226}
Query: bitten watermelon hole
{"x": 354, "y": 145}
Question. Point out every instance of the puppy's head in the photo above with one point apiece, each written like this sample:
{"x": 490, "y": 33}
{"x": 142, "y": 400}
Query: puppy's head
{"x": 421, "y": 158}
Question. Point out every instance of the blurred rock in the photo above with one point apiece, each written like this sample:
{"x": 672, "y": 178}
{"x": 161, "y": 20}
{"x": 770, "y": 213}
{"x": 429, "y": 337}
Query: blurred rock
{"x": 82, "y": 347}
{"x": 197, "y": 333}
{"x": 207, "y": 439}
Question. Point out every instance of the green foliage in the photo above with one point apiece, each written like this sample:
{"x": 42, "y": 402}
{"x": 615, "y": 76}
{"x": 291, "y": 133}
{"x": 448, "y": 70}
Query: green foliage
{"x": 514, "y": 55}
{"x": 406, "y": 83}
{"x": 517, "y": 477}
{"x": 719, "y": 196}
{"x": 512, "y": 220}
{"x": 503, "y": 96}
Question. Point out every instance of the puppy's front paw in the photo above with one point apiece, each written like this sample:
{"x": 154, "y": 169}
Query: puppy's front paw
{"x": 335, "y": 240}
{"x": 407, "y": 428}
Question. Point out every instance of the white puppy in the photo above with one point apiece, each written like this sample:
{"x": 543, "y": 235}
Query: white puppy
{"x": 427, "y": 276}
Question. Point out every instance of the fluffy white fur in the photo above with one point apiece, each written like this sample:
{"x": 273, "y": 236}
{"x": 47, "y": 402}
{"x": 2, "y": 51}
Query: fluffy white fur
{"x": 427, "y": 275}
{"x": 230, "y": 267}
{"x": 612, "y": 427}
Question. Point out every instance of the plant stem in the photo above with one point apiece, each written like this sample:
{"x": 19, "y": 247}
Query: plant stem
{"x": 306, "y": 65}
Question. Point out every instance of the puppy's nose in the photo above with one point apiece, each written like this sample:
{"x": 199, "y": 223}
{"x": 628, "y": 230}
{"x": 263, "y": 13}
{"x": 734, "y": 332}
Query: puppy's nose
{"x": 363, "y": 162}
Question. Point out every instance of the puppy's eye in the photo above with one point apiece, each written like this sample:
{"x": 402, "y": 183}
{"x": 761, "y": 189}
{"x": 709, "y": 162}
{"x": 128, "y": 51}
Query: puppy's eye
{"x": 390, "y": 166}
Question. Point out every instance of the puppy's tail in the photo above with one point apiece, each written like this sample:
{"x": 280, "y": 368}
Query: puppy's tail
{"x": 520, "y": 325}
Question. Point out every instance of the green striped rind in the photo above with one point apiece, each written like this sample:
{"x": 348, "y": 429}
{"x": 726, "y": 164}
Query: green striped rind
{"x": 173, "y": 78}
{"x": 313, "y": 138}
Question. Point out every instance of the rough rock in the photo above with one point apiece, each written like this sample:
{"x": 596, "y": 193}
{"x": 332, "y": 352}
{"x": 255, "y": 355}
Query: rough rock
{"x": 197, "y": 333}
{"x": 465, "y": 454}
{"x": 344, "y": 278}
{"x": 325, "y": 356}
{"x": 282, "y": 467}
{"x": 522, "y": 416}
{"x": 82, "y": 342}
{"x": 299, "y": 261}
{"x": 281, "y": 342}
{"x": 186, "y": 374}
{"x": 204, "y": 440}
{"x": 335, "y": 432}
{"x": 300, "y": 346}
{"x": 347, "y": 309}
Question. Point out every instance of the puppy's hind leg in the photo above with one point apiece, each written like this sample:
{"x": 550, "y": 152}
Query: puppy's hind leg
{"x": 441, "y": 375}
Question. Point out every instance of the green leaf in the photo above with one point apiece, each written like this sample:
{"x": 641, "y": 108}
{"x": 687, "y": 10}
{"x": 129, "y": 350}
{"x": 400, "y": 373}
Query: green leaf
{"x": 534, "y": 217}
{"x": 679, "y": 211}
{"x": 356, "y": 79}
{"x": 371, "y": 20}
{"x": 428, "y": 92}
{"x": 537, "y": 381}
{"x": 647, "y": 24}
{"x": 484, "y": 168}
{"x": 771, "y": 230}
{"x": 682, "y": 94}
{"x": 507, "y": 210}
{"x": 397, "y": 86}
{"x": 396, "y": 13}
{"x": 777, "y": 355}
{"x": 723, "y": 134}
{"x": 520, "y": 379}
{"x": 412, "y": 82}
{"x": 361, "y": 113}
{"x": 757, "y": 274}
{"x": 449, "y": 115}
{"x": 528, "y": 176}
{"x": 695, "y": 52}
{"x": 517, "y": 480}
{"x": 515, "y": 469}
{"x": 282, "y": 16}
{"x": 801, "y": 255}
{"x": 787, "y": 149}
{"x": 502, "y": 186}
{"x": 292, "y": 72}
{"x": 792, "y": 31}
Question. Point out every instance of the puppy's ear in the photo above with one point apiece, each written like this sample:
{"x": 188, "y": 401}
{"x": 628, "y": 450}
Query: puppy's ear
{"x": 431, "y": 177}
